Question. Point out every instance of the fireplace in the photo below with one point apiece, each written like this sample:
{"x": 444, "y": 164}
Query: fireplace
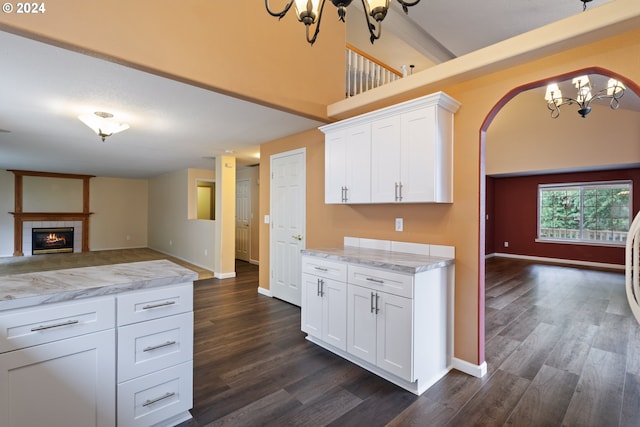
{"x": 51, "y": 240}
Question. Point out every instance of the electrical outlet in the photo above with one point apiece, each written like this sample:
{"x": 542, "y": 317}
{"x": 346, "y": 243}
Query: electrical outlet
{"x": 399, "y": 224}
{"x": 206, "y": 252}
{"x": 506, "y": 244}
{"x": 170, "y": 242}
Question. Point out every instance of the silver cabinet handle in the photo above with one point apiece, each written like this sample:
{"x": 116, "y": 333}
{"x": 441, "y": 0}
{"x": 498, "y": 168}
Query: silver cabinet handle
{"x": 377, "y": 300}
{"x": 396, "y": 192}
{"x": 372, "y": 297}
{"x": 321, "y": 287}
{"x": 322, "y": 269}
{"x": 371, "y": 279}
{"x": 56, "y": 325}
{"x": 158, "y": 399}
{"x": 155, "y": 347}
{"x": 162, "y": 304}
{"x": 400, "y": 192}
{"x": 346, "y": 194}
{"x": 318, "y": 287}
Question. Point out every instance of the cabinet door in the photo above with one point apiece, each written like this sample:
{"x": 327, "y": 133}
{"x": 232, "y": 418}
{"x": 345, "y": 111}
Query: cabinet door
{"x": 334, "y": 313}
{"x": 395, "y": 335}
{"x": 361, "y": 323}
{"x": 358, "y": 164}
{"x": 335, "y": 166}
{"x": 311, "y": 309}
{"x": 385, "y": 160}
{"x": 419, "y": 156}
{"x": 69, "y": 382}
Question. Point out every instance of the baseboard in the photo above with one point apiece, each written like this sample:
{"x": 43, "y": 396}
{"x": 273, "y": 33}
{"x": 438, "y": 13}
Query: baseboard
{"x": 560, "y": 261}
{"x": 264, "y": 291}
{"x": 254, "y": 261}
{"x": 225, "y": 275}
{"x": 477, "y": 371}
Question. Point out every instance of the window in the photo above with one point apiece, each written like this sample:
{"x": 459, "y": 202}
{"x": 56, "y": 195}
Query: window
{"x": 595, "y": 212}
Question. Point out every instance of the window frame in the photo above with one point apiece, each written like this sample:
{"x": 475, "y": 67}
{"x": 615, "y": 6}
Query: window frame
{"x": 580, "y": 186}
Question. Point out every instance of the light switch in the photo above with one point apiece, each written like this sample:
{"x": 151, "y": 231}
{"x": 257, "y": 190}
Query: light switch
{"x": 399, "y": 224}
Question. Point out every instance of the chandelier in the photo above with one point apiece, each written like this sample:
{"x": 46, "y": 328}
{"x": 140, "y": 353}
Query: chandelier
{"x": 309, "y": 12}
{"x": 614, "y": 91}
{"x": 103, "y": 124}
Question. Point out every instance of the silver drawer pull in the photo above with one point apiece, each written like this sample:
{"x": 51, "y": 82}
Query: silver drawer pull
{"x": 155, "y": 347}
{"x": 371, "y": 279}
{"x": 57, "y": 325}
{"x": 322, "y": 269}
{"x": 162, "y": 304}
{"x": 158, "y": 399}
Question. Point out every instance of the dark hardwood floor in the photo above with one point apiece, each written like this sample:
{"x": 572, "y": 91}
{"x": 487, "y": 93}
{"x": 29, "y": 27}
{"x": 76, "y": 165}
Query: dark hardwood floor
{"x": 561, "y": 345}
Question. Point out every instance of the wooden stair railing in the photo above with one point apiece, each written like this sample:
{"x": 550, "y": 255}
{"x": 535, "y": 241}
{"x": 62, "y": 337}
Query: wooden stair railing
{"x": 365, "y": 72}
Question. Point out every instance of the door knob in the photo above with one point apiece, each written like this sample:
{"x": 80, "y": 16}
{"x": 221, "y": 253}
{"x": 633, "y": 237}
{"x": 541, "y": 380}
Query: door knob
{"x": 297, "y": 237}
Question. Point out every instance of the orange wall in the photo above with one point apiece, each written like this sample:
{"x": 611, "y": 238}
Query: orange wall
{"x": 233, "y": 47}
{"x": 236, "y": 47}
{"x": 457, "y": 224}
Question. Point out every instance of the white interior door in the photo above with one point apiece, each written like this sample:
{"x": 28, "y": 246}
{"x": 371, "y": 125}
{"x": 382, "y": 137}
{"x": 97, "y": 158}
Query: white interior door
{"x": 288, "y": 223}
{"x": 243, "y": 219}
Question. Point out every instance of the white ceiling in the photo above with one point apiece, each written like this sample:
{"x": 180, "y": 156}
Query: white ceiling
{"x": 176, "y": 126}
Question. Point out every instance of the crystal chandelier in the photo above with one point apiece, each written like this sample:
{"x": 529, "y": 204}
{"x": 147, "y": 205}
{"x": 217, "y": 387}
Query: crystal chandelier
{"x": 309, "y": 12}
{"x": 614, "y": 91}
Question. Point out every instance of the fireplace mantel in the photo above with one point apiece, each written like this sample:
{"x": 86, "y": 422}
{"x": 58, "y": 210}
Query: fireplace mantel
{"x": 19, "y": 216}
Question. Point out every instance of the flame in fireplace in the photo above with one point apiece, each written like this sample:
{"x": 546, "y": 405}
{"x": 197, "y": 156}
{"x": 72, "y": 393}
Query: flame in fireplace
{"x": 54, "y": 238}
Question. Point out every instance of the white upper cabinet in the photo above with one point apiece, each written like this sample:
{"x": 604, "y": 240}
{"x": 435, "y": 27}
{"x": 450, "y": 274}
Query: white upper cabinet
{"x": 399, "y": 154}
{"x": 348, "y": 165}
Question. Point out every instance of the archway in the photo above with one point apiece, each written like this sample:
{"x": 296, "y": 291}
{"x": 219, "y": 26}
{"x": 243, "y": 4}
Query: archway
{"x": 630, "y": 85}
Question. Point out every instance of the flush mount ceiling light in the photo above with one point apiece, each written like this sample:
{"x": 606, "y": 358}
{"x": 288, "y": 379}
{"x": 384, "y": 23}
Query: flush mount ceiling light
{"x": 103, "y": 124}
{"x": 614, "y": 91}
{"x": 309, "y": 12}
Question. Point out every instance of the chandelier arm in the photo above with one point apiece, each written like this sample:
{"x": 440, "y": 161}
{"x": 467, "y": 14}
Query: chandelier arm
{"x": 407, "y": 4}
{"x": 373, "y": 34}
{"x": 312, "y": 40}
{"x": 281, "y": 14}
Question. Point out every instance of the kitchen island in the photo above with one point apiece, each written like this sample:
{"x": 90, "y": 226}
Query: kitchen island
{"x": 386, "y": 306}
{"x": 97, "y": 346}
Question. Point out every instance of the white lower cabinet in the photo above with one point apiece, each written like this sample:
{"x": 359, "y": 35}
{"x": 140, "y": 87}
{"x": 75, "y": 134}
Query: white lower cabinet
{"x": 379, "y": 327}
{"x": 324, "y": 294}
{"x": 63, "y": 382}
{"x": 397, "y": 325}
{"x": 160, "y": 398}
{"x": 68, "y": 364}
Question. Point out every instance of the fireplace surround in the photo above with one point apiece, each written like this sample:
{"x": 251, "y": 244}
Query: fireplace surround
{"x": 27, "y": 220}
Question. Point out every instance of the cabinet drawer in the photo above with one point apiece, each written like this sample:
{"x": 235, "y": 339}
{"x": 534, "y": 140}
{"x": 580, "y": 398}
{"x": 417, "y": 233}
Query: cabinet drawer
{"x": 28, "y": 327}
{"x": 153, "y": 345}
{"x": 156, "y": 397}
{"x": 324, "y": 268}
{"x": 154, "y": 303}
{"x": 381, "y": 280}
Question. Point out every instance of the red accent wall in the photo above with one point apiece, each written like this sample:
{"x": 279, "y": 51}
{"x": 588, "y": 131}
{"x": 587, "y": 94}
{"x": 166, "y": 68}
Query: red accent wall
{"x": 513, "y": 202}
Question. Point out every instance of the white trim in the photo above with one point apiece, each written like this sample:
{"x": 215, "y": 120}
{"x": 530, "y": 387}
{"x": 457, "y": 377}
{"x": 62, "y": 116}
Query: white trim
{"x": 254, "y": 261}
{"x": 562, "y": 261}
{"x": 205, "y": 267}
{"x": 477, "y": 371}
{"x": 224, "y": 275}
{"x": 264, "y": 291}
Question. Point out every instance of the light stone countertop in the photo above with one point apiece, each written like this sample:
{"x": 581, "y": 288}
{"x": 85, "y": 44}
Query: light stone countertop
{"x": 45, "y": 287}
{"x": 387, "y": 260}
